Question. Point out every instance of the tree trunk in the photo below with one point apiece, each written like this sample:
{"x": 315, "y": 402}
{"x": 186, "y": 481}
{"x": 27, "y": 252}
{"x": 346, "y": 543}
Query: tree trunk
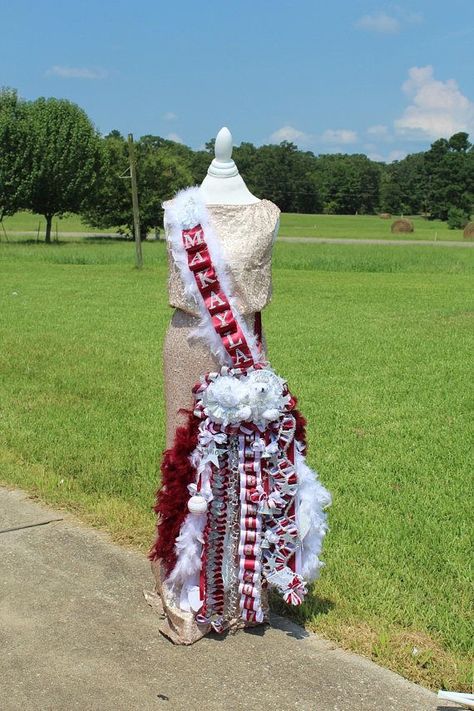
{"x": 49, "y": 222}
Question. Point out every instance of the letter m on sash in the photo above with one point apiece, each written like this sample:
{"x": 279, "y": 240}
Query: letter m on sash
{"x": 193, "y": 238}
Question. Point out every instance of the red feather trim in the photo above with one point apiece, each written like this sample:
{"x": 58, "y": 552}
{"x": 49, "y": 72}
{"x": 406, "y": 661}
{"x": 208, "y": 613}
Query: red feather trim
{"x": 300, "y": 432}
{"x": 172, "y": 496}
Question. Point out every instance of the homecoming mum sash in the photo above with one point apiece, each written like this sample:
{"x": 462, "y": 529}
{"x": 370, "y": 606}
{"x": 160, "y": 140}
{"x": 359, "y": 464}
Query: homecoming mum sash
{"x": 256, "y": 511}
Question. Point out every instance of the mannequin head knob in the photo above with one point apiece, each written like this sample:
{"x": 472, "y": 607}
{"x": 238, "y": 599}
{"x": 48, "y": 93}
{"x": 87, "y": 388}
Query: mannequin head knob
{"x": 223, "y": 145}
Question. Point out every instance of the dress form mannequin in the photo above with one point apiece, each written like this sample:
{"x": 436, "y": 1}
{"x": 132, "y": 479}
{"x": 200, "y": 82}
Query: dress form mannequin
{"x": 223, "y": 509}
{"x": 223, "y": 184}
{"x": 246, "y": 227}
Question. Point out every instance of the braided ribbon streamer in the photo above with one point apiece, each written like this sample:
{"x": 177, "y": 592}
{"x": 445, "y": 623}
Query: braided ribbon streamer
{"x": 213, "y": 477}
{"x": 211, "y": 582}
{"x": 250, "y": 529}
{"x": 281, "y": 535}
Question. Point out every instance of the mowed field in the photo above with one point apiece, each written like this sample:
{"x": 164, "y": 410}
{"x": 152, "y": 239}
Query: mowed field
{"x": 291, "y": 225}
{"x": 363, "y": 227}
{"x": 29, "y": 222}
{"x": 375, "y": 341}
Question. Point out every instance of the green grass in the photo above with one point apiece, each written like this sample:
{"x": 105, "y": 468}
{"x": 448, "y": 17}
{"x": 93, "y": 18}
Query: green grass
{"x": 292, "y": 225}
{"x": 375, "y": 342}
{"x": 362, "y": 227}
{"x": 29, "y": 222}
{"x": 314, "y": 257}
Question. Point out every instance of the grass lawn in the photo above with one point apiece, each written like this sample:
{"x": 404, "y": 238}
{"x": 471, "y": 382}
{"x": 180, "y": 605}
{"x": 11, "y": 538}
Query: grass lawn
{"x": 362, "y": 227}
{"x": 28, "y": 222}
{"x": 375, "y": 341}
{"x": 292, "y": 225}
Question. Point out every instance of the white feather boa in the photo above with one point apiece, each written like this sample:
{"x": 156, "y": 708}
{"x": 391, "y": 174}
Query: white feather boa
{"x": 311, "y": 519}
{"x": 186, "y": 210}
{"x": 184, "y": 578}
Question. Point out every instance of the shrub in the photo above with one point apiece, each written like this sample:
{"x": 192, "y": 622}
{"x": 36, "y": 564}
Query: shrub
{"x": 457, "y": 218}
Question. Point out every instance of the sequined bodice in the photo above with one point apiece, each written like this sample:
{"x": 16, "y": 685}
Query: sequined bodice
{"x": 246, "y": 233}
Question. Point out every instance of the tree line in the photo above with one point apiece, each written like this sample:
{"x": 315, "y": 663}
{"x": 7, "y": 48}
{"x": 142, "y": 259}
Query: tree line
{"x": 54, "y": 161}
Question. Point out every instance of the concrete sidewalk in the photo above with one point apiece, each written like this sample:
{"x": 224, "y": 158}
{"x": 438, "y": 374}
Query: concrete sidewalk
{"x": 77, "y": 633}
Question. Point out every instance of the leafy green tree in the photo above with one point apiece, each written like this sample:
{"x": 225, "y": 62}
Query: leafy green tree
{"x": 307, "y": 197}
{"x": 15, "y": 153}
{"x": 162, "y": 169}
{"x": 200, "y": 163}
{"x": 246, "y": 157}
{"x": 178, "y": 150}
{"x": 449, "y": 169}
{"x": 434, "y": 182}
{"x": 108, "y": 204}
{"x": 349, "y": 183}
{"x": 273, "y": 175}
{"x": 65, "y": 158}
{"x": 286, "y": 176}
{"x": 459, "y": 142}
{"x": 403, "y": 187}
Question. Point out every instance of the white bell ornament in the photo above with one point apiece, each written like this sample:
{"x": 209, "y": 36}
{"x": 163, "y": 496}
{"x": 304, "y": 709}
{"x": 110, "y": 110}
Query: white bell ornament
{"x": 197, "y": 504}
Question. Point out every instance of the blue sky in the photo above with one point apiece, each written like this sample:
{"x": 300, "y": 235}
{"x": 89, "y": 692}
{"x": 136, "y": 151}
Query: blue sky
{"x": 381, "y": 78}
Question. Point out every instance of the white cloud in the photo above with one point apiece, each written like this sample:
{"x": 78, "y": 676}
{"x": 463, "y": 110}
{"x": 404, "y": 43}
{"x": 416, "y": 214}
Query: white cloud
{"x": 379, "y": 132}
{"x": 339, "y": 135}
{"x": 392, "y": 23}
{"x": 396, "y": 155}
{"x": 289, "y": 133}
{"x": 76, "y": 72}
{"x": 437, "y": 108}
{"x": 379, "y": 22}
{"x": 169, "y": 116}
{"x": 174, "y": 137}
{"x": 375, "y": 156}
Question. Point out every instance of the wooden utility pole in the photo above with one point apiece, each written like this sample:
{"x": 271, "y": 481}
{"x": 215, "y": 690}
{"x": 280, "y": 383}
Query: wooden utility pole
{"x": 136, "y": 213}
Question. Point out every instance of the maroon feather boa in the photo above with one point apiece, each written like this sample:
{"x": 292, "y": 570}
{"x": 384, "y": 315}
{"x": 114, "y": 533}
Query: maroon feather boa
{"x": 172, "y": 496}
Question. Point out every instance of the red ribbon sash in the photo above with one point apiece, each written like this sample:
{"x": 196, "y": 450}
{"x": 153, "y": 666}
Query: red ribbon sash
{"x": 214, "y": 297}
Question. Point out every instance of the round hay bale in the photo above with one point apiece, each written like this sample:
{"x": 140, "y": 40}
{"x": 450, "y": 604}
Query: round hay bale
{"x": 401, "y": 226}
{"x": 469, "y": 230}
{"x": 385, "y": 215}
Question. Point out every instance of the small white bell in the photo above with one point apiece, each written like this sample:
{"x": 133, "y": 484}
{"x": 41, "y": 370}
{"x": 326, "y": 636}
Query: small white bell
{"x": 197, "y": 504}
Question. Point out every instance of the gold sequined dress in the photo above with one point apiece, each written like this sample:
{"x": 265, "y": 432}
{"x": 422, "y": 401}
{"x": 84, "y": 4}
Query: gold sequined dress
{"x": 246, "y": 234}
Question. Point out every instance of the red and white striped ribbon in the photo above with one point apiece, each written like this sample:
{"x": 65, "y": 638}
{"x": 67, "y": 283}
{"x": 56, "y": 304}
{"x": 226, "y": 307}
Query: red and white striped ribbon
{"x": 250, "y": 567}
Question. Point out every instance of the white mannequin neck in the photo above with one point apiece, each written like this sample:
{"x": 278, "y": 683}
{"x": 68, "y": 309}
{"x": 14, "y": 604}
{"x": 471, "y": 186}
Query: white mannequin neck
{"x": 223, "y": 184}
